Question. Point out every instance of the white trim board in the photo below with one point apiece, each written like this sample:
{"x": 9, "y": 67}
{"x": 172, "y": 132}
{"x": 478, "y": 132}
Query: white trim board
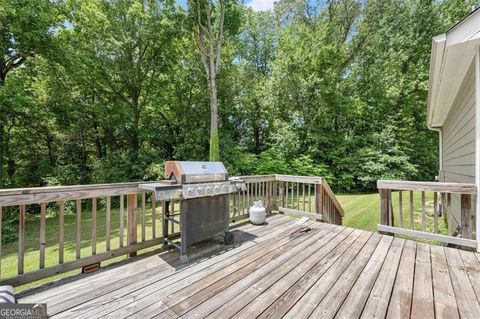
{"x": 477, "y": 144}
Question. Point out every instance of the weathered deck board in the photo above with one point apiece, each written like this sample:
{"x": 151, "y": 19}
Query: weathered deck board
{"x": 400, "y": 302}
{"x": 372, "y": 282}
{"x": 445, "y": 303}
{"x": 281, "y": 269}
{"x": 271, "y": 283}
{"x": 422, "y": 304}
{"x": 182, "y": 277}
{"x": 129, "y": 270}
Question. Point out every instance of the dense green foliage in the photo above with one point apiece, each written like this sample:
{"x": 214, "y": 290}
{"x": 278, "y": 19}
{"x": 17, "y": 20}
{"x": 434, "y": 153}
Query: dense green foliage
{"x": 107, "y": 90}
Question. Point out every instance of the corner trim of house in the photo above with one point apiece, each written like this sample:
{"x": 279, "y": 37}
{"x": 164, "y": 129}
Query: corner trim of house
{"x": 477, "y": 144}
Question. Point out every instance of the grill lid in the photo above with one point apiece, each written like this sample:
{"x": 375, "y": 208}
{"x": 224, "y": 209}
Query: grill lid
{"x": 188, "y": 172}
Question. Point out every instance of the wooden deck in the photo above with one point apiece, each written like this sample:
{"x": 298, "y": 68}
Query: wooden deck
{"x": 288, "y": 268}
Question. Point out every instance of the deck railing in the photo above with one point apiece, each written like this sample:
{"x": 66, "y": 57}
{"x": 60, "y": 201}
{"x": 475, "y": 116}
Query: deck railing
{"x": 111, "y": 220}
{"x": 428, "y": 210}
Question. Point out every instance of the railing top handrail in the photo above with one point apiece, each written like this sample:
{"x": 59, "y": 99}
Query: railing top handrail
{"x": 35, "y": 195}
{"x": 257, "y": 178}
{"x": 334, "y": 199}
{"x": 299, "y": 179}
{"x": 460, "y": 188}
{"x": 69, "y": 188}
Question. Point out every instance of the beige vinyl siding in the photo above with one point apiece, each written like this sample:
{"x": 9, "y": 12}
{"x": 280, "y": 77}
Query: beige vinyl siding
{"x": 458, "y": 134}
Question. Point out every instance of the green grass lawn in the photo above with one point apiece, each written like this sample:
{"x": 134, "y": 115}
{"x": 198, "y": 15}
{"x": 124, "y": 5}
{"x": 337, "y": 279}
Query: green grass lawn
{"x": 362, "y": 211}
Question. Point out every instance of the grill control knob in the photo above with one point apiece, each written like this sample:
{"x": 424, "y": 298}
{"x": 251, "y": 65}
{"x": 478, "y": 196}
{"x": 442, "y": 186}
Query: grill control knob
{"x": 201, "y": 190}
{"x": 209, "y": 189}
{"x": 191, "y": 191}
{"x": 218, "y": 188}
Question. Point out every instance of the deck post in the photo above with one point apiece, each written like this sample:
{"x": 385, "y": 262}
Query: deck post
{"x": 281, "y": 194}
{"x": 466, "y": 215}
{"x": 386, "y": 216}
{"x": 132, "y": 222}
{"x": 269, "y": 195}
{"x": 319, "y": 200}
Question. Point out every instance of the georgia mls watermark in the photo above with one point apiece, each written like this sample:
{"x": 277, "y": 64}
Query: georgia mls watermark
{"x": 23, "y": 311}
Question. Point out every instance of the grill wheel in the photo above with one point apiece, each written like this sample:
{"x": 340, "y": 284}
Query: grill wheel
{"x": 228, "y": 238}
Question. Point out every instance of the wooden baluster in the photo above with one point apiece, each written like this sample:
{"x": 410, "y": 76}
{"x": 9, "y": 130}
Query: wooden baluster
{"x": 143, "y": 216}
{"x": 292, "y": 200}
{"x": 79, "y": 228}
{"x": 298, "y": 196}
{"x": 122, "y": 213}
{"x": 107, "y": 222}
{"x": 249, "y": 185}
{"x": 154, "y": 214}
{"x": 244, "y": 202}
{"x": 303, "y": 195}
{"x": 324, "y": 203}
{"x": 385, "y": 208}
{"x": 448, "y": 214}
{"x": 423, "y": 211}
{"x": 287, "y": 191}
{"x": 441, "y": 212}
{"x": 234, "y": 207}
{"x": 61, "y": 231}
{"x": 275, "y": 195}
{"x": 310, "y": 198}
{"x": 332, "y": 211}
{"x": 132, "y": 222}
{"x": 281, "y": 194}
{"x": 262, "y": 189}
{"x": 43, "y": 217}
{"x": 94, "y": 226}
{"x": 269, "y": 194}
{"x": 1, "y": 223}
{"x": 319, "y": 202}
{"x": 466, "y": 215}
{"x": 435, "y": 213}
{"x": 400, "y": 208}
{"x": 391, "y": 213}
{"x": 264, "y": 200}
{"x": 21, "y": 239}
{"x": 412, "y": 225}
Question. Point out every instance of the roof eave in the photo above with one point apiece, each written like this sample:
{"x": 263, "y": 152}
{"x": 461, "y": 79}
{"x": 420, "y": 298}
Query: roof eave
{"x": 436, "y": 65}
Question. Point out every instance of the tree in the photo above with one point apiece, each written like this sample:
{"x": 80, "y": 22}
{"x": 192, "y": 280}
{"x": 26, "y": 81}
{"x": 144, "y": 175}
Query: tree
{"x": 209, "y": 32}
{"x": 122, "y": 52}
{"x": 27, "y": 28}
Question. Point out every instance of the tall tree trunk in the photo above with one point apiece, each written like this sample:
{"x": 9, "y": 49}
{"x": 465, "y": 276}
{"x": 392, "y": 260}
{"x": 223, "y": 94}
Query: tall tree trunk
{"x": 214, "y": 138}
{"x": 210, "y": 50}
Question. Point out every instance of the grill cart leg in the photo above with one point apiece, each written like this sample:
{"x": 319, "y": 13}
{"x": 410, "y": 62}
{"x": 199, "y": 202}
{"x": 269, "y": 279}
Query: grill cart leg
{"x": 166, "y": 217}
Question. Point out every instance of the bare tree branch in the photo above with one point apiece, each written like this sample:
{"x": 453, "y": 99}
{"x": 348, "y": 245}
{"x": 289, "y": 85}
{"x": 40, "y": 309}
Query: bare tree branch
{"x": 220, "y": 36}
{"x": 213, "y": 73}
{"x": 201, "y": 36}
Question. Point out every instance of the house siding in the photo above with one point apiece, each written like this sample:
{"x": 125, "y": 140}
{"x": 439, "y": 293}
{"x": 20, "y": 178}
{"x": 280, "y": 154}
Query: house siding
{"x": 458, "y": 140}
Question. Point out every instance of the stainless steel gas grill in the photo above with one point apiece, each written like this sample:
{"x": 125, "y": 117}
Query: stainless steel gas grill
{"x": 203, "y": 190}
